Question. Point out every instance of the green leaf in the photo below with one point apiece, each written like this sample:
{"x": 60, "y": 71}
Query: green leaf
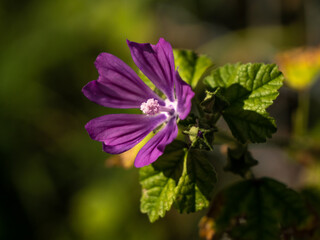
{"x": 159, "y": 181}
{"x": 249, "y": 125}
{"x": 240, "y": 160}
{"x": 195, "y": 187}
{"x": 191, "y": 66}
{"x": 290, "y": 204}
{"x": 246, "y": 214}
{"x": 179, "y": 175}
{"x": 249, "y": 90}
{"x": 259, "y": 209}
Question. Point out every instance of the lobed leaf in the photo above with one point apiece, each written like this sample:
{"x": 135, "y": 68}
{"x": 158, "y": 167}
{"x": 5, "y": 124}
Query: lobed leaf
{"x": 259, "y": 209}
{"x": 180, "y": 176}
{"x": 159, "y": 180}
{"x": 249, "y": 89}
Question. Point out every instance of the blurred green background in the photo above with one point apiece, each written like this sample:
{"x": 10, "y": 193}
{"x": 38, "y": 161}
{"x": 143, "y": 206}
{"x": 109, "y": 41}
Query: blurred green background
{"x": 54, "y": 181}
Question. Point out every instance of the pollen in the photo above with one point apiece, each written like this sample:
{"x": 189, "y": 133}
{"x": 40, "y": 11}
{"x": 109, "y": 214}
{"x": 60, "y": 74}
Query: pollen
{"x": 150, "y": 107}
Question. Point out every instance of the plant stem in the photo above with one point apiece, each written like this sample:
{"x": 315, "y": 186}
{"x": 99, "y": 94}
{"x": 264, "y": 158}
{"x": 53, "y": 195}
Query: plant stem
{"x": 301, "y": 116}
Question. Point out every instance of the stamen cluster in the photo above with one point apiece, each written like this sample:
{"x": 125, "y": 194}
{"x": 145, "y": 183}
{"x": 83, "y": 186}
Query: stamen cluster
{"x": 150, "y": 107}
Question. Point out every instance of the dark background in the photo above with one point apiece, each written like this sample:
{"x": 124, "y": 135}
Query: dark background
{"x": 54, "y": 181}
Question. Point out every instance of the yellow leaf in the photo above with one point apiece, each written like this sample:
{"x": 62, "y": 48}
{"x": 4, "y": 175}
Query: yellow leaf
{"x": 300, "y": 66}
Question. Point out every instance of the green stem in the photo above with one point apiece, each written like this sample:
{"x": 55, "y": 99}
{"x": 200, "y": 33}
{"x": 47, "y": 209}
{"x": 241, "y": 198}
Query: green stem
{"x": 301, "y": 116}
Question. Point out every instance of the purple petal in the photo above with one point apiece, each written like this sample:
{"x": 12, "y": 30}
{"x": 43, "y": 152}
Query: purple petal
{"x": 157, "y": 63}
{"x": 118, "y": 86}
{"x": 184, "y": 94}
{"x": 120, "y": 132}
{"x": 156, "y": 145}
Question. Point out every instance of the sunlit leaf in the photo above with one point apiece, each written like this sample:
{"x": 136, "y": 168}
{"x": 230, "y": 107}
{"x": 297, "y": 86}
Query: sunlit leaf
{"x": 249, "y": 90}
{"x": 181, "y": 177}
{"x": 191, "y": 66}
{"x": 159, "y": 180}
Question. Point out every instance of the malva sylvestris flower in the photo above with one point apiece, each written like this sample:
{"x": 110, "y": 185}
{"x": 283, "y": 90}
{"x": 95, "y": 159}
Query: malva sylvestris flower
{"x": 118, "y": 86}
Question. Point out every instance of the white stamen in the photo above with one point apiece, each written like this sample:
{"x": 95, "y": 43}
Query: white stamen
{"x": 150, "y": 107}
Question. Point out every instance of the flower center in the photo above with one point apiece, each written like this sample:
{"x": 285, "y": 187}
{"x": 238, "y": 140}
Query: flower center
{"x": 150, "y": 107}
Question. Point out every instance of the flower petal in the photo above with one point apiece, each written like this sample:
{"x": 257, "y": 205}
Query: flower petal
{"x": 184, "y": 94}
{"x": 157, "y": 63}
{"x": 118, "y": 86}
{"x": 154, "y": 148}
{"x": 120, "y": 132}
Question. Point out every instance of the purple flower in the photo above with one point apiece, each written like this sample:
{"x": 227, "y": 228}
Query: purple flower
{"x": 118, "y": 86}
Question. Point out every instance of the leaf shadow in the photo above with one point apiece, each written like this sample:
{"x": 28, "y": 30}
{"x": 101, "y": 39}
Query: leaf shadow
{"x": 171, "y": 162}
{"x": 245, "y": 124}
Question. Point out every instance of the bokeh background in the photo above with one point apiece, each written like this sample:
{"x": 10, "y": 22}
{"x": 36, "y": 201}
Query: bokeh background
{"x": 55, "y": 183}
